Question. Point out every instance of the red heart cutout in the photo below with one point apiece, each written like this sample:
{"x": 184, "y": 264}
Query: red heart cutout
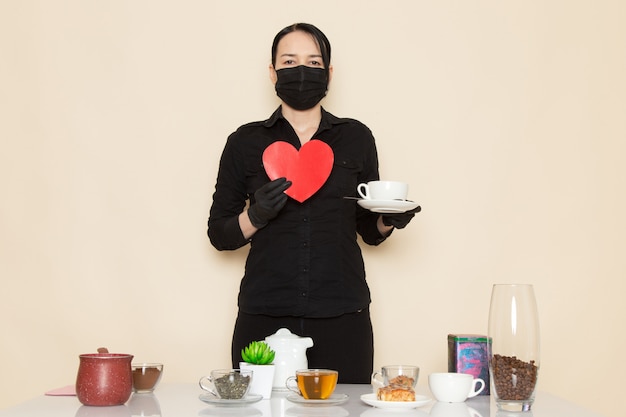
{"x": 307, "y": 169}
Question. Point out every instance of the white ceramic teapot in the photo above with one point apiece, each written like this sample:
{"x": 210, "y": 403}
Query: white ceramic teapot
{"x": 290, "y": 355}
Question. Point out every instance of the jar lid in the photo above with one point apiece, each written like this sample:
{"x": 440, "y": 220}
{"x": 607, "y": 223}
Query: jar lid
{"x": 468, "y": 338}
{"x": 285, "y": 336}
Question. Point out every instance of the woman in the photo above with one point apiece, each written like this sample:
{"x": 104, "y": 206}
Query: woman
{"x": 304, "y": 270}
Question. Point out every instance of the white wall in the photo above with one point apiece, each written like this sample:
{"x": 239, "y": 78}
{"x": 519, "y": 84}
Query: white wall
{"x": 507, "y": 119}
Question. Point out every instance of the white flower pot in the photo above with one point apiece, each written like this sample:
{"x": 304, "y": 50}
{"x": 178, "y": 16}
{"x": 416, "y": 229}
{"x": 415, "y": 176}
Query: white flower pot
{"x": 262, "y": 378}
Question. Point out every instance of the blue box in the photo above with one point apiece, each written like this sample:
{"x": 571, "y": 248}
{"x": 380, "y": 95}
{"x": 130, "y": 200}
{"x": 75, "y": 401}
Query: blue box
{"x": 469, "y": 354}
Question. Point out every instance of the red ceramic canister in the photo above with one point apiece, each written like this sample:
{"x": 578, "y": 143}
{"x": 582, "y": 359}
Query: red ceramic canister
{"x": 104, "y": 378}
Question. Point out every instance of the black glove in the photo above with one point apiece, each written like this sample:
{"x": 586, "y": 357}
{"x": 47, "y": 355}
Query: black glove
{"x": 400, "y": 220}
{"x": 269, "y": 200}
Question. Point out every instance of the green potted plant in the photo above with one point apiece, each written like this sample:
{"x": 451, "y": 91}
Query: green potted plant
{"x": 259, "y": 357}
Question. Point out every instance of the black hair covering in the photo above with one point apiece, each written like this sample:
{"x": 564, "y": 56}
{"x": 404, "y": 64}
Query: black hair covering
{"x": 318, "y": 35}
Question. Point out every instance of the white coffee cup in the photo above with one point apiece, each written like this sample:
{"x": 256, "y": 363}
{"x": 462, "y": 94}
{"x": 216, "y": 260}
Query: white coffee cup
{"x": 453, "y": 387}
{"x": 383, "y": 190}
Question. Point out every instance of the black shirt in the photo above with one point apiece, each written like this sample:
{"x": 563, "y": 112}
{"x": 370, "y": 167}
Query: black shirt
{"x": 305, "y": 262}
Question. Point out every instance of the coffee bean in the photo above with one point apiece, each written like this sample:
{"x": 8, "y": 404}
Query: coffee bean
{"x": 513, "y": 378}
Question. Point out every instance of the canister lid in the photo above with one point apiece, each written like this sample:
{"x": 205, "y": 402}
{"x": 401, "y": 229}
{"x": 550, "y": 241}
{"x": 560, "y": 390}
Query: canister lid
{"x": 468, "y": 338}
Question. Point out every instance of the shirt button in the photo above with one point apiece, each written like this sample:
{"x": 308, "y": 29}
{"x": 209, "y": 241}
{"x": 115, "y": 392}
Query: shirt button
{"x": 305, "y": 219}
{"x": 305, "y": 244}
{"x": 305, "y": 269}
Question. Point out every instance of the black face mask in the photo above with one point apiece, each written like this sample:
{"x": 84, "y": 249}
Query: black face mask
{"x": 301, "y": 87}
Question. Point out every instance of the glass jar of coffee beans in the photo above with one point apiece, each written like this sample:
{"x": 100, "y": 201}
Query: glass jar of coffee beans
{"x": 514, "y": 350}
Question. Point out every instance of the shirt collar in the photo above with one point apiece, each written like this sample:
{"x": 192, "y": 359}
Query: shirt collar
{"x": 327, "y": 122}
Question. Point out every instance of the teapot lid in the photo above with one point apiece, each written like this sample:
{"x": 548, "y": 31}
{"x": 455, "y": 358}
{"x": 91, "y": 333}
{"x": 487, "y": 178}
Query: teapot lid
{"x": 103, "y": 353}
{"x": 284, "y": 335}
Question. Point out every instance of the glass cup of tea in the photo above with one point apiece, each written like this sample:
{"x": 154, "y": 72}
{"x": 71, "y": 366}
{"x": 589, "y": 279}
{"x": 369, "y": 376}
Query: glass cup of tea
{"x": 227, "y": 384}
{"x": 313, "y": 384}
{"x": 146, "y": 376}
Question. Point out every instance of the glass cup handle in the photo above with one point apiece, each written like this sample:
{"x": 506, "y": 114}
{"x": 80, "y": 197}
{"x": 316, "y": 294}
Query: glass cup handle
{"x": 364, "y": 194}
{"x": 289, "y": 383}
{"x": 475, "y": 391}
{"x": 378, "y": 379}
{"x": 209, "y": 384}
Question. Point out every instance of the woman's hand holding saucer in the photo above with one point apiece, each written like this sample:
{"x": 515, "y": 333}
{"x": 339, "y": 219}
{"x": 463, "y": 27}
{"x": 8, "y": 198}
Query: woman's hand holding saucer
{"x": 400, "y": 220}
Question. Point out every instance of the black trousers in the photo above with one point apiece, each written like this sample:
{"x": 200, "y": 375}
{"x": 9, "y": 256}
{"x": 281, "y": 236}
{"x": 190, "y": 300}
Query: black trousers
{"x": 344, "y": 343}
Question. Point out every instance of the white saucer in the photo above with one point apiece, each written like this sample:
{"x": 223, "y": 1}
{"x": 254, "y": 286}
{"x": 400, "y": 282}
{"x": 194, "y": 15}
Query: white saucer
{"x": 248, "y": 399}
{"x": 335, "y": 399}
{"x": 370, "y": 399}
{"x": 387, "y": 206}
